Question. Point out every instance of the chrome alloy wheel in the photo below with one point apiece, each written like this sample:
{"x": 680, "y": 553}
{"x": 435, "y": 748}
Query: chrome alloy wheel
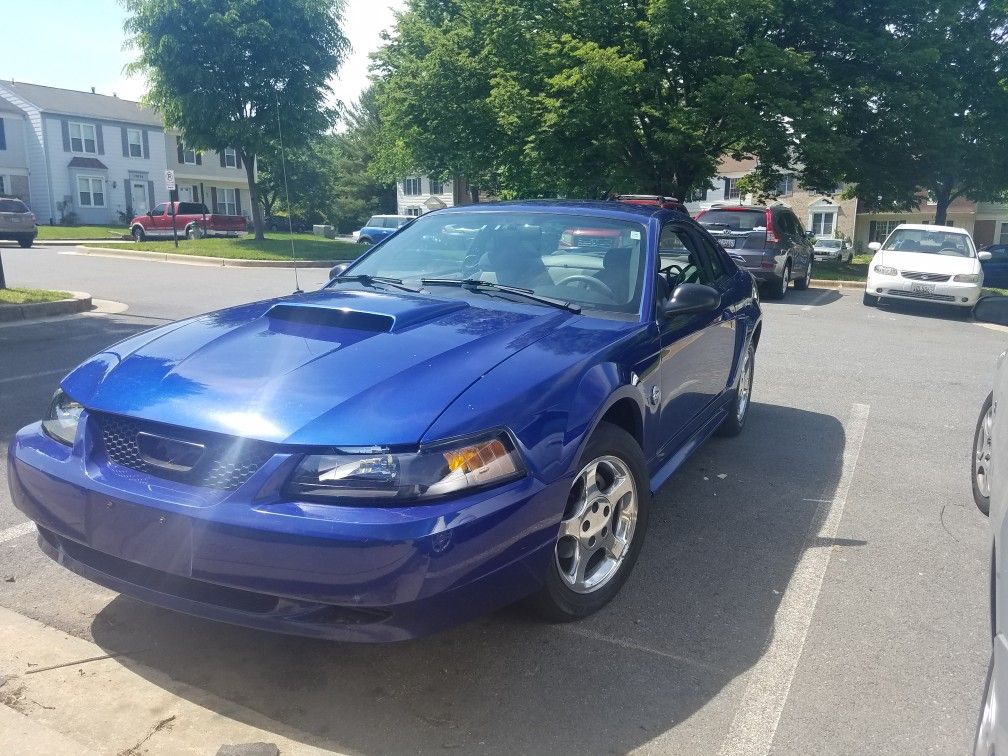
{"x": 785, "y": 280}
{"x": 744, "y": 386}
{"x": 598, "y": 525}
{"x": 982, "y": 454}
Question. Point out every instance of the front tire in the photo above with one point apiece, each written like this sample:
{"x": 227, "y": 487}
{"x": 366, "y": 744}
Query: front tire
{"x": 982, "y": 456}
{"x": 870, "y": 300}
{"x": 602, "y": 528}
{"x": 138, "y": 234}
{"x": 738, "y": 408}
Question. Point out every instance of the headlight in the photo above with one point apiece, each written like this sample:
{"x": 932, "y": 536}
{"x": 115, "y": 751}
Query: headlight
{"x": 968, "y": 278}
{"x": 62, "y": 418}
{"x": 433, "y": 471}
{"x": 885, "y": 270}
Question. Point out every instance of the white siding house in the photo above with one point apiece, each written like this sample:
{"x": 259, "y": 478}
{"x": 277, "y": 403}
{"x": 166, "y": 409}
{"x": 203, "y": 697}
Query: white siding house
{"x": 216, "y": 179}
{"x": 416, "y": 195}
{"x": 13, "y": 152}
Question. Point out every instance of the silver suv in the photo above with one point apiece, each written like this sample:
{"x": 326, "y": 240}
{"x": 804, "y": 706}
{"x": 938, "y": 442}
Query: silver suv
{"x": 17, "y": 222}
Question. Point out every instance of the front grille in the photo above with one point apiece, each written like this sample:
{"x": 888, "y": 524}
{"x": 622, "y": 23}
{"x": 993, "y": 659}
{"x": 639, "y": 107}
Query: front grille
{"x": 226, "y": 462}
{"x": 922, "y": 295}
{"x": 930, "y": 277}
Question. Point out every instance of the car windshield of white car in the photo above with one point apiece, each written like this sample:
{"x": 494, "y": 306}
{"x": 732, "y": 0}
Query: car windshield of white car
{"x": 929, "y": 242}
{"x": 596, "y": 263}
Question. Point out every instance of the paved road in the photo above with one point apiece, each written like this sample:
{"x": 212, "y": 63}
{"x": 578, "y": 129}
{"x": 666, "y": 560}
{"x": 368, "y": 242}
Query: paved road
{"x": 817, "y": 585}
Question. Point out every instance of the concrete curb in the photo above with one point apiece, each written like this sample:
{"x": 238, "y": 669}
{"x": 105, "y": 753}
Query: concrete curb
{"x": 824, "y": 284}
{"x": 81, "y": 302}
{"x": 75, "y": 242}
{"x": 224, "y": 262}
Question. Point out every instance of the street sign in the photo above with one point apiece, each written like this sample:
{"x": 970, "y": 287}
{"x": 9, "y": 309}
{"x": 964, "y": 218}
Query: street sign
{"x": 169, "y": 178}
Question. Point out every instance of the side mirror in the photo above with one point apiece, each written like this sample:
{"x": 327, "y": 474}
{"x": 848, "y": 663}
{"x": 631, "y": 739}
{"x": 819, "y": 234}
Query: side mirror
{"x": 337, "y": 270}
{"x": 984, "y": 256}
{"x": 692, "y": 298}
{"x": 876, "y": 246}
{"x": 991, "y": 309}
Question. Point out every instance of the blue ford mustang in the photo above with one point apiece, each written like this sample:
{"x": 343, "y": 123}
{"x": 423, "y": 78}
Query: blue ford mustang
{"x": 474, "y": 412}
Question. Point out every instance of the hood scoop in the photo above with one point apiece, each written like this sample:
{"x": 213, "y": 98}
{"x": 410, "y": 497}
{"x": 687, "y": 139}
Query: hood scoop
{"x": 286, "y": 316}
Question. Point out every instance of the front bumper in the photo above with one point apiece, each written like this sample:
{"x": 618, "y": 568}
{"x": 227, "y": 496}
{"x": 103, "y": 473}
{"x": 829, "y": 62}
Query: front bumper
{"x": 250, "y": 558}
{"x": 948, "y": 292}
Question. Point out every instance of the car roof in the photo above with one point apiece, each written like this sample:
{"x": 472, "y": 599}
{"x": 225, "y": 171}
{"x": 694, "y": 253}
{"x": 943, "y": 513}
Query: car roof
{"x": 597, "y": 208}
{"x": 931, "y": 227}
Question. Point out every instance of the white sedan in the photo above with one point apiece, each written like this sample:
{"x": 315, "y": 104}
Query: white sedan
{"x": 932, "y": 263}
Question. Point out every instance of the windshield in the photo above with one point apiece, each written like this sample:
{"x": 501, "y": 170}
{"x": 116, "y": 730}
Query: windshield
{"x": 541, "y": 252}
{"x": 935, "y": 242}
{"x": 834, "y": 243}
{"x": 12, "y": 206}
{"x": 734, "y": 220}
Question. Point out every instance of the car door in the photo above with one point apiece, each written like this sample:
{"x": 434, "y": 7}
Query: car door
{"x": 696, "y": 350}
{"x": 996, "y": 269}
{"x": 158, "y": 223}
{"x": 793, "y": 241}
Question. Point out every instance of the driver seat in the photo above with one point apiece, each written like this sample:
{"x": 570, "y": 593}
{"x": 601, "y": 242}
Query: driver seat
{"x": 515, "y": 260}
{"x": 615, "y": 272}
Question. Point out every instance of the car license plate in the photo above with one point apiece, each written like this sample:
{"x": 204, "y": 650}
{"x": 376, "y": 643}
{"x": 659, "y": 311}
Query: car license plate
{"x": 728, "y": 243}
{"x": 919, "y": 288}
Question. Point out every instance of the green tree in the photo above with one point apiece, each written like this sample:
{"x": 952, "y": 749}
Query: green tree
{"x": 305, "y": 173}
{"x": 914, "y": 105}
{"x": 576, "y": 98}
{"x": 232, "y": 73}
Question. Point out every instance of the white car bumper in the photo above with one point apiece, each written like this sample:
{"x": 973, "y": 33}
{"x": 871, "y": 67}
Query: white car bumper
{"x": 944, "y": 292}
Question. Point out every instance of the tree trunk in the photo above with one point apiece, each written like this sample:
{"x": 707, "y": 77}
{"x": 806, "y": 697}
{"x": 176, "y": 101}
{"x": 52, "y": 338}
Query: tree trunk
{"x": 257, "y": 216}
{"x": 474, "y": 195}
{"x": 3, "y": 281}
{"x": 943, "y": 198}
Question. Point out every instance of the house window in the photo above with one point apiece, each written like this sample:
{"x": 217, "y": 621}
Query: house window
{"x": 226, "y": 202}
{"x": 879, "y": 230}
{"x": 1004, "y": 234}
{"x": 82, "y": 138}
{"x": 3, "y": 187}
{"x": 413, "y": 212}
{"x": 91, "y": 190}
{"x": 436, "y": 186}
{"x": 699, "y": 194}
{"x": 785, "y": 187}
{"x": 823, "y": 223}
{"x": 188, "y": 154}
{"x": 135, "y": 140}
{"x": 230, "y": 158}
{"x": 411, "y": 186}
{"x": 731, "y": 188}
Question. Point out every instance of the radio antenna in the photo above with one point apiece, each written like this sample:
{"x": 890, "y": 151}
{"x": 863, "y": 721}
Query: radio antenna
{"x": 290, "y": 223}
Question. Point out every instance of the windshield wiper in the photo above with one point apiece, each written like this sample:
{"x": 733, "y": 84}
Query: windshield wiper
{"x": 364, "y": 278}
{"x": 476, "y": 284}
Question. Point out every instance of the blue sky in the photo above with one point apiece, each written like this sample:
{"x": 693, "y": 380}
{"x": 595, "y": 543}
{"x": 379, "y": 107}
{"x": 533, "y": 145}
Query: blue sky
{"x": 60, "y": 46}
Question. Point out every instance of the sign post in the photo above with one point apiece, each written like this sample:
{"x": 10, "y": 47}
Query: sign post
{"x": 169, "y": 176}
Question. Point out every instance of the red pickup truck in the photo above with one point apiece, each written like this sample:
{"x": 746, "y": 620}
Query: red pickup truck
{"x": 191, "y": 219}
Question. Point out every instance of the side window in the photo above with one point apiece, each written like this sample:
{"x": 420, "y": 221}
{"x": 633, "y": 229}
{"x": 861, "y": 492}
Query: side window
{"x": 783, "y": 224}
{"x": 691, "y": 258}
{"x": 158, "y": 209}
{"x": 373, "y": 223}
{"x": 799, "y": 228}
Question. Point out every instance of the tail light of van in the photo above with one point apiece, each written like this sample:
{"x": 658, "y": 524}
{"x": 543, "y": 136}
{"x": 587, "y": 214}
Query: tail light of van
{"x": 771, "y": 232}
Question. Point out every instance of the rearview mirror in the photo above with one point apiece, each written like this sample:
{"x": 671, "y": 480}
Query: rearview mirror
{"x": 337, "y": 270}
{"x": 984, "y": 256}
{"x": 691, "y": 298}
{"x": 876, "y": 246}
{"x": 992, "y": 310}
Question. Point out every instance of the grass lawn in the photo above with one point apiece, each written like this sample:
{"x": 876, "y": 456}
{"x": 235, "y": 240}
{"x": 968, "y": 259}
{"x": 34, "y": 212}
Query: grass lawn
{"x": 80, "y": 232}
{"x": 831, "y": 270}
{"x": 991, "y": 291}
{"x": 30, "y": 296}
{"x": 274, "y": 247}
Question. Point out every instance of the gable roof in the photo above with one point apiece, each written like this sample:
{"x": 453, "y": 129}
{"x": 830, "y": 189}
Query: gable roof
{"x": 73, "y": 103}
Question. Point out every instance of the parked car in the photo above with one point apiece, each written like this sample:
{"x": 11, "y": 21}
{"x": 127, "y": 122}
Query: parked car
{"x": 651, "y": 200}
{"x": 17, "y": 222}
{"x": 990, "y": 493}
{"x": 995, "y": 269}
{"x": 769, "y": 242}
{"x": 379, "y": 227}
{"x": 192, "y": 220}
{"x": 436, "y": 433}
{"x": 593, "y": 238}
{"x": 924, "y": 262}
{"x": 832, "y": 249}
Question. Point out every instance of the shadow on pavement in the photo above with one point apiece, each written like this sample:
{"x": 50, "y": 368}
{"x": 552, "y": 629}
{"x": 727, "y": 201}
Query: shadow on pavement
{"x": 815, "y": 297}
{"x": 925, "y": 309}
{"x": 698, "y": 611}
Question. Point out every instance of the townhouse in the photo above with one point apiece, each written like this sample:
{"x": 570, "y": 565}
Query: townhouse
{"x": 81, "y": 157}
{"x": 416, "y": 195}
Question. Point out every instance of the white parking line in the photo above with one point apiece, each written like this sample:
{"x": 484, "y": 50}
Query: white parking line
{"x": 17, "y": 531}
{"x": 43, "y": 374}
{"x": 755, "y": 723}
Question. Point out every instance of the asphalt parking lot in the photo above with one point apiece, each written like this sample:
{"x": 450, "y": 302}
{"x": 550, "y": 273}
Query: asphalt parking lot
{"x": 816, "y": 585}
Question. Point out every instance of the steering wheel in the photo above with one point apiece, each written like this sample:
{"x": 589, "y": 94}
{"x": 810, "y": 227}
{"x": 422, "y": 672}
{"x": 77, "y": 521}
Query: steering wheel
{"x": 678, "y": 269}
{"x": 470, "y": 266}
{"x": 592, "y": 283}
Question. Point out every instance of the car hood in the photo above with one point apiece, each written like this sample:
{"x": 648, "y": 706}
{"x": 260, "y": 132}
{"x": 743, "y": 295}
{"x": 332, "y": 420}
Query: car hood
{"x": 333, "y": 368}
{"x": 928, "y": 263}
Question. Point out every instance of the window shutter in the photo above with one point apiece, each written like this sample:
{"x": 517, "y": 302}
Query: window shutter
{"x": 128, "y": 190}
{"x": 213, "y": 199}
{"x": 125, "y": 142}
{"x": 727, "y": 187}
{"x": 238, "y": 210}
{"x": 65, "y": 128}
{"x": 223, "y": 164}
{"x": 98, "y": 139}
{"x": 238, "y": 163}
{"x": 146, "y": 145}
{"x": 181, "y": 157}
{"x": 3, "y": 136}
{"x": 150, "y": 195}
{"x": 199, "y": 158}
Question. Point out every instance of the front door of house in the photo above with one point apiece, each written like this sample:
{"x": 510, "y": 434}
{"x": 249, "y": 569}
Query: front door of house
{"x": 138, "y": 197}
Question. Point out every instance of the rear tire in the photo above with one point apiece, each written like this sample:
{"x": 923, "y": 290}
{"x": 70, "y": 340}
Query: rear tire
{"x": 981, "y": 467}
{"x": 870, "y": 300}
{"x": 778, "y": 289}
{"x": 565, "y": 597}
{"x": 803, "y": 283}
{"x": 738, "y": 408}
{"x": 363, "y": 240}
{"x": 26, "y": 243}
{"x": 138, "y": 234}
